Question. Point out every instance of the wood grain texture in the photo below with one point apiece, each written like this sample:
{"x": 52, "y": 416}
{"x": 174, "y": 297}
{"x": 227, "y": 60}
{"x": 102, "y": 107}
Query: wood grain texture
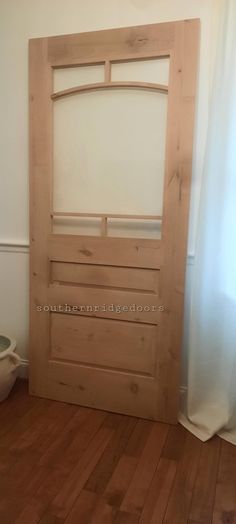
{"x": 181, "y": 495}
{"x": 159, "y": 492}
{"x": 105, "y": 343}
{"x": 140, "y": 484}
{"x": 40, "y": 132}
{"x": 120, "y": 480}
{"x": 105, "y": 303}
{"x": 70, "y": 465}
{"x": 204, "y": 489}
{"x": 154, "y": 40}
{"x": 78, "y": 377}
{"x": 72, "y": 487}
{"x": 101, "y": 475}
{"x": 182, "y": 87}
{"x": 128, "y": 252}
{"x": 109, "y": 85}
{"x": 105, "y": 276}
{"x": 225, "y": 496}
{"x": 131, "y": 393}
{"x": 50, "y": 519}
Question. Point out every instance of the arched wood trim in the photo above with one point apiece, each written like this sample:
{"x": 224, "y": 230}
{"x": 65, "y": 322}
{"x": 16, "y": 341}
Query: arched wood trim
{"x": 110, "y": 85}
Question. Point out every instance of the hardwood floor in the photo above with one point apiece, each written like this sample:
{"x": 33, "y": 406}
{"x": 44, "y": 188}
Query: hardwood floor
{"x": 65, "y": 464}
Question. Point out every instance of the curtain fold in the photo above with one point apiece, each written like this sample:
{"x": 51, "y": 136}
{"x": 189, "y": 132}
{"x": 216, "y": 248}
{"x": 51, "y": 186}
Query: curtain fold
{"x": 210, "y": 405}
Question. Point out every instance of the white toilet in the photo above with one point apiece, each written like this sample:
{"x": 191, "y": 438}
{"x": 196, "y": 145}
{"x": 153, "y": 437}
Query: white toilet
{"x": 9, "y": 362}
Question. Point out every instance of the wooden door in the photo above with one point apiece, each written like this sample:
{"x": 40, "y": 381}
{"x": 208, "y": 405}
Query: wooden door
{"x": 107, "y": 312}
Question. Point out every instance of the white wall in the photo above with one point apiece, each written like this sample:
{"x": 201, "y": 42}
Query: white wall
{"x": 19, "y": 21}
{"x": 14, "y": 305}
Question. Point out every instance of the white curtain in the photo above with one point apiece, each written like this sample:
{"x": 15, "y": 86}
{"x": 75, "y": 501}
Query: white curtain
{"x": 211, "y": 397}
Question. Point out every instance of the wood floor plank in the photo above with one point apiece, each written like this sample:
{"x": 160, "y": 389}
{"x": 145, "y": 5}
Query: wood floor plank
{"x": 72, "y": 487}
{"x": 31, "y": 514}
{"x": 225, "y": 498}
{"x": 15, "y": 423}
{"x": 11, "y": 506}
{"x": 23, "y": 470}
{"x": 34, "y": 426}
{"x": 182, "y": 492}
{"x": 125, "y": 469}
{"x": 17, "y": 410}
{"x": 29, "y": 428}
{"x": 174, "y": 444}
{"x": 204, "y": 489}
{"x": 50, "y": 486}
{"x": 7, "y": 460}
{"x": 16, "y": 405}
{"x": 138, "y": 488}
{"x": 100, "y": 476}
{"x": 26, "y": 468}
{"x": 75, "y": 426}
{"x": 62, "y": 457}
{"x": 65, "y": 455}
{"x": 50, "y": 519}
{"x": 138, "y": 438}
{"x": 159, "y": 493}
{"x": 90, "y": 508}
{"x": 58, "y": 418}
{"x": 103, "y": 513}
{"x": 82, "y": 509}
{"x": 135, "y": 471}
{"x": 80, "y": 441}
{"x": 120, "y": 480}
{"x": 123, "y": 517}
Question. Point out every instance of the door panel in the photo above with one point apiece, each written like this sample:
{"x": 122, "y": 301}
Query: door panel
{"x": 105, "y": 303}
{"x": 105, "y": 276}
{"x": 104, "y": 343}
{"x": 109, "y": 214}
{"x": 127, "y": 252}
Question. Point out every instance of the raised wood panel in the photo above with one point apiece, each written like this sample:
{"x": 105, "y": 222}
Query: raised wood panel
{"x": 106, "y": 389}
{"x": 106, "y": 276}
{"x": 130, "y": 252}
{"x": 107, "y": 303}
{"x": 104, "y": 343}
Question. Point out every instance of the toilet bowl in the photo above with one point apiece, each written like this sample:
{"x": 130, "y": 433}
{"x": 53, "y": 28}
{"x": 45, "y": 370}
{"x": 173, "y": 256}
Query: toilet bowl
{"x": 9, "y": 362}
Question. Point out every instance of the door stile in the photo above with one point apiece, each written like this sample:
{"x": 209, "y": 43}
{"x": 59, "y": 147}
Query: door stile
{"x": 41, "y": 134}
{"x": 179, "y": 147}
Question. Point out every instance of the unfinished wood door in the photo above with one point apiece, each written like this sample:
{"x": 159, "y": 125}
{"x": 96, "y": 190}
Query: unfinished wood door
{"x": 107, "y": 311}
